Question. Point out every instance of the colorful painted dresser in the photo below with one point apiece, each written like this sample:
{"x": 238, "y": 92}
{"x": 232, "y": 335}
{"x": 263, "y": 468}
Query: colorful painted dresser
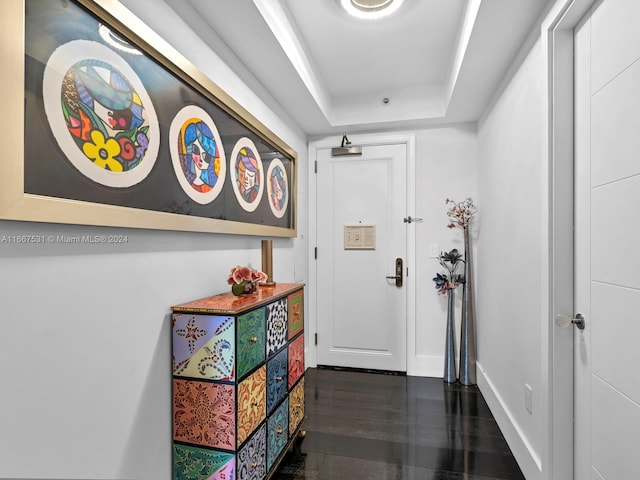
{"x": 238, "y": 383}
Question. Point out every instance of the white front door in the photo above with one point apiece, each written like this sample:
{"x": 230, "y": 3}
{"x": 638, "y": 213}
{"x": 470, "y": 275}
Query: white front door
{"x": 361, "y": 234}
{"x": 607, "y": 242}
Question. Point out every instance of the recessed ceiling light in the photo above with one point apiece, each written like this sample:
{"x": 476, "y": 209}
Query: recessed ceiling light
{"x": 370, "y": 9}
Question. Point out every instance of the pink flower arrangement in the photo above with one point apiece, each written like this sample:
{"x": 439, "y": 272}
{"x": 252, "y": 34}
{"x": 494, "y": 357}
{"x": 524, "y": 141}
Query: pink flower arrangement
{"x": 245, "y": 279}
{"x": 460, "y": 213}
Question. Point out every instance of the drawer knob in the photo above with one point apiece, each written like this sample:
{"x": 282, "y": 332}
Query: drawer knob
{"x": 253, "y": 339}
{"x": 254, "y": 404}
{"x": 278, "y": 378}
{"x": 279, "y": 430}
{"x": 254, "y": 465}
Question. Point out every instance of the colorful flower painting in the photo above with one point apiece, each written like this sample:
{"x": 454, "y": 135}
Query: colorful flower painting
{"x": 100, "y": 114}
{"x": 277, "y": 188}
{"x": 197, "y": 154}
{"x": 248, "y": 174}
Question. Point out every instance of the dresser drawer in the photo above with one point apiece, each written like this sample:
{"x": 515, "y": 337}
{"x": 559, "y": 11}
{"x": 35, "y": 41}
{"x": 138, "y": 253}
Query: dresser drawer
{"x": 210, "y": 463}
{"x": 295, "y": 313}
{"x": 251, "y": 338}
{"x": 276, "y": 379}
{"x": 203, "y": 346}
{"x": 296, "y": 406}
{"x": 204, "y": 413}
{"x": 296, "y": 360}
{"x": 277, "y": 432}
{"x": 276, "y": 326}
{"x": 252, "y": 403}
{"x": 251, "y": 457}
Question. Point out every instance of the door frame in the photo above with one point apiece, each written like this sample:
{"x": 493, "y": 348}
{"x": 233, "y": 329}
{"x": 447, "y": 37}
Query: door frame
{"x": 557, "y": 228}
{"x": 366, "y": 139}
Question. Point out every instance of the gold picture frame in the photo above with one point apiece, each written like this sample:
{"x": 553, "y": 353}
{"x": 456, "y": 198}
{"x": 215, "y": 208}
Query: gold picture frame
{"x": 24, "y": 193}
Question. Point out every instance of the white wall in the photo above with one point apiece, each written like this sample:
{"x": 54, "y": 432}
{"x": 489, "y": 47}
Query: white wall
{"x": 446, "y": 167}
{"x": 85, "y": 342}
{"x": 511, "y": 257}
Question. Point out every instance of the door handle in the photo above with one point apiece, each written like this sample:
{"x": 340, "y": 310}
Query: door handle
{"x": 564, "y": 321}
{"x": 398, "y": 277}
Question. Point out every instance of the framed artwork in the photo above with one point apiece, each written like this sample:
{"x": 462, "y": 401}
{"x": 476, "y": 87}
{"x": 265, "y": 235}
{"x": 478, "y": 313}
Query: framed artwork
{"x": 109, "y": 125}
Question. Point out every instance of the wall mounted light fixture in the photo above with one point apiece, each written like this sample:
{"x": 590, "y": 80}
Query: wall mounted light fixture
{"x": 345, "y": 148}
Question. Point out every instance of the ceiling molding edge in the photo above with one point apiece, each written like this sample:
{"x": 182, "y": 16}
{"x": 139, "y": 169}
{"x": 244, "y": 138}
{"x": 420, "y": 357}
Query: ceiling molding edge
{"x": 470, "y": 17}
{"x": 277, "y": 19}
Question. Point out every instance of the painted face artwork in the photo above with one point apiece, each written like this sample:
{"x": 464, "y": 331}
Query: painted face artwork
{"x": 248, "y": 183}
{"x": 250, "y": 171}
{"x": 100, "y": 113}
{"x": 277, "y": 188}
{"x": 247, "y": 169}
{"x": 197, "y": 154}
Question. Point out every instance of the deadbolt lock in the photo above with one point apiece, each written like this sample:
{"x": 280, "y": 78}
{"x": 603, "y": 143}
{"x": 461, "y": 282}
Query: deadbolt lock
{"x": 398, "y": 277}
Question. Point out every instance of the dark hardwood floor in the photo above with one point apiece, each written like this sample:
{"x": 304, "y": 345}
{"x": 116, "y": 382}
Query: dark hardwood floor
{"x": 377, "y": 426}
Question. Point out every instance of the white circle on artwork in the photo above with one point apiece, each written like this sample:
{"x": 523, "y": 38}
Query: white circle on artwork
{"x": 100, "y": 114}
{"x": 247, "y": 174}
{"x": 197, "y": 154}
{"x": 277, "y": 188}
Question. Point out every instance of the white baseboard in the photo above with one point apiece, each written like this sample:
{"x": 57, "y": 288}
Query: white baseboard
{"x": 418, "y": 366}
{"x": 529, "y": 461}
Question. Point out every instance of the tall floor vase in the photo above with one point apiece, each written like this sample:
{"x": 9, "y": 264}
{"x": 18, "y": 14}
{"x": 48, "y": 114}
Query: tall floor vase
{"x": 467, "y": 327}
{"x": 450, "y": 345}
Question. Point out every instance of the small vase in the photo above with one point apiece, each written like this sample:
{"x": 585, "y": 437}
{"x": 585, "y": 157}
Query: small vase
{"x": 450, "y": 344}
{"x": 467, "y": 327}
{"x": 244, "y": 288}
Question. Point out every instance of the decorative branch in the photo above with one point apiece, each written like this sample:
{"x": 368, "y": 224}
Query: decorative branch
{"x": 460, "y": 213}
